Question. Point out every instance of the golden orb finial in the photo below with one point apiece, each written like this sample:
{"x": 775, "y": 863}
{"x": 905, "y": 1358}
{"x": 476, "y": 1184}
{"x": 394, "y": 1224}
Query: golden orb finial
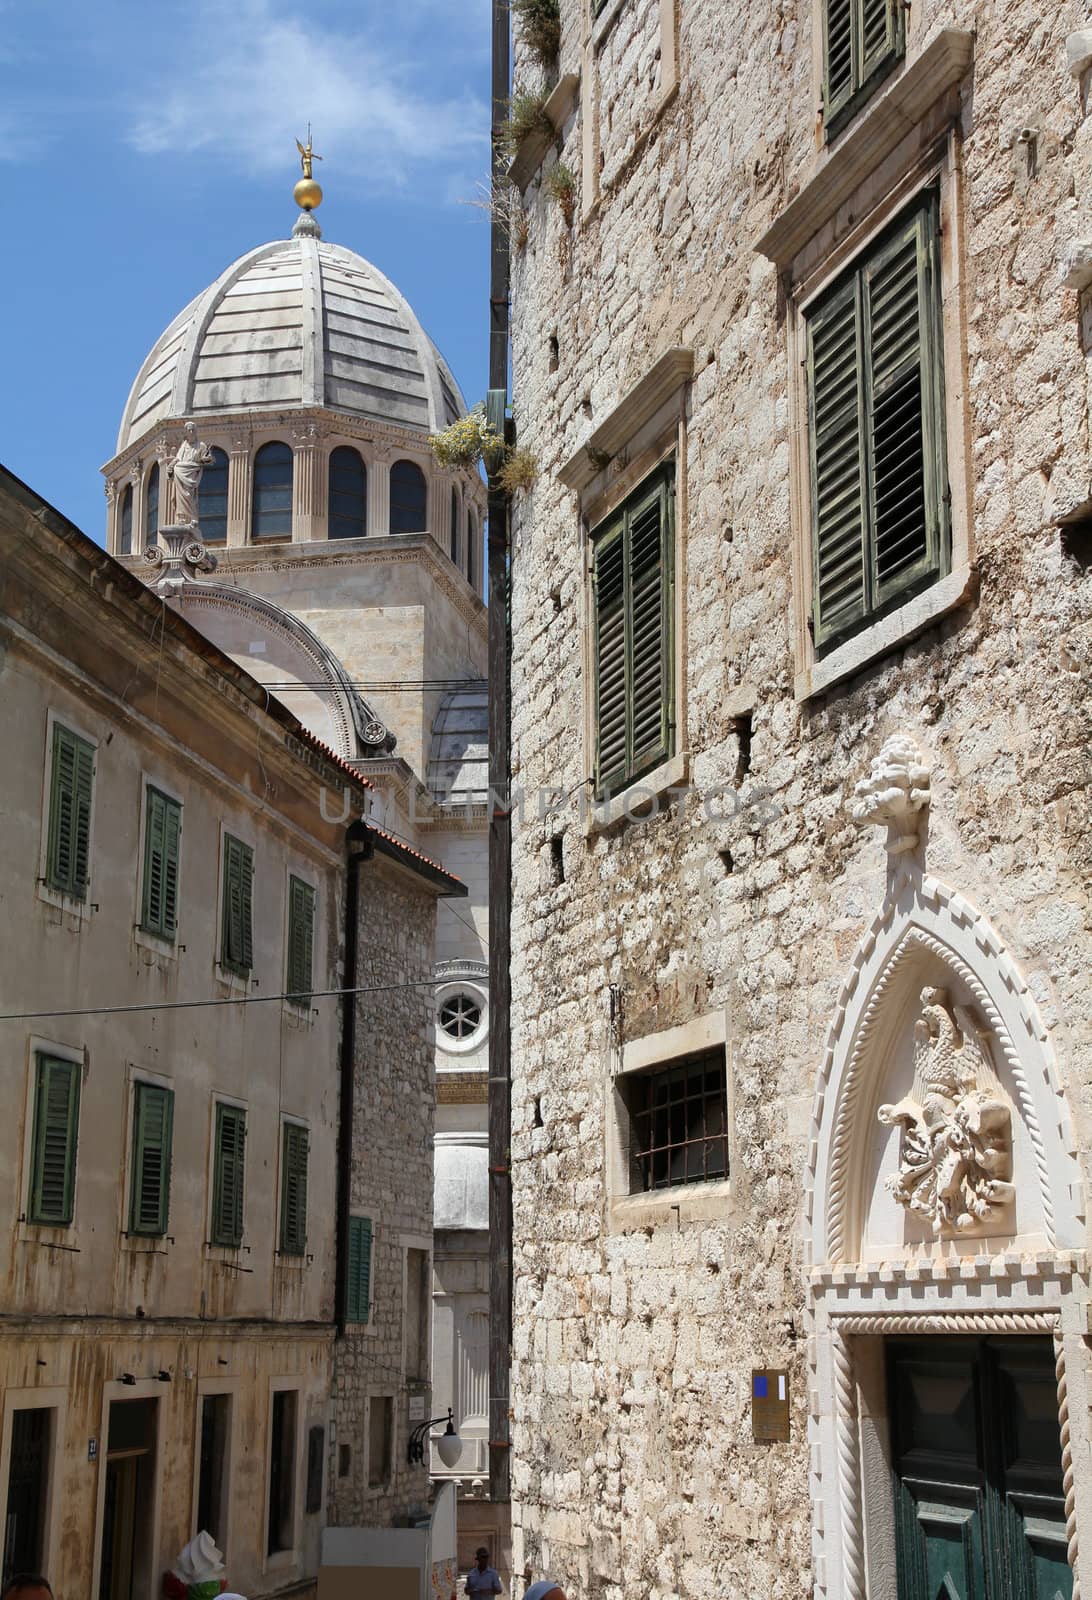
{"x": 307, "y": 193}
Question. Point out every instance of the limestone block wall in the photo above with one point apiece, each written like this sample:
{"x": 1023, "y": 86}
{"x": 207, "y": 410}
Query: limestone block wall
{"x": 391, "y": 1184}
{"x": 634, "y": 1469}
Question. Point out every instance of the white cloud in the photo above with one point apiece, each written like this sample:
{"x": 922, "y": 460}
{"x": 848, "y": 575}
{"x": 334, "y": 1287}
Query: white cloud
{"x": 388, "y": 101}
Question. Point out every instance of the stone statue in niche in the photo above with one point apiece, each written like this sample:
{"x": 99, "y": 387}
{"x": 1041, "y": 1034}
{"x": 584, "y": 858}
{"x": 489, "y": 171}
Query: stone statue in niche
{"x": 895, "y": 791}
{"x": 191, "y": 459}
{"x": 955, "y": 1157}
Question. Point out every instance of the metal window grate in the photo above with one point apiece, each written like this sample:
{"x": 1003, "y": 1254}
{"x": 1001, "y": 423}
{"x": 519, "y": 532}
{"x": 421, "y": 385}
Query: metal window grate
{"x": 679, "y": 1123}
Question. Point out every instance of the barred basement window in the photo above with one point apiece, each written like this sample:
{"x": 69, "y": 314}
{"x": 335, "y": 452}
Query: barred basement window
{"x": 162, "y": 838}
{"x": 862, "y": 41}
{"x": 879, "y": 489}
{"x": 52, "y": 1196}
{"x": 678, "y": 1121}
{"x": 236, "y": 918}
{"x": 633, "y": 585}
{"x": 228, "y": 1175}
{"x": 68, "y": 847}
{"x": 153, "y": 1124}
{"x": 293, "y": 1189}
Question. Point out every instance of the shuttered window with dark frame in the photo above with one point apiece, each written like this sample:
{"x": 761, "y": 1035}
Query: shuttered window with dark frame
{"x": 879, "y": 490}
{"x": 228, "y": 1175}
{"x": 153, "y": 1127}
{"x": 68, "y": 843}
{"x": 633, "y": 585}
{"x": 294, "y": 1148}
{"x": 237, "y": 915}
{"x": 359, "y": 1288}
{"x": 862, "y": 41}
{"x": 53, "y": 1148}
{"x": 162, "y": 843}
{"x": 301, "y": 941}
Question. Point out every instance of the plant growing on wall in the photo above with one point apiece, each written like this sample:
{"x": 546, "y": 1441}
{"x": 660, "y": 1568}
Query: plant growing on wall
{"x": 559, "y": 185}
{"x": 526, "y": 115}
{"x": 540, "y": 29}
{"x": 464, "y": 444}
{"x": 518, "y": 470}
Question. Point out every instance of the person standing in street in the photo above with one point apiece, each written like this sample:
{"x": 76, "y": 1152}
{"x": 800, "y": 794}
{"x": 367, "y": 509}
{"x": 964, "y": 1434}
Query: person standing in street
{"x": 482, "y": 1578}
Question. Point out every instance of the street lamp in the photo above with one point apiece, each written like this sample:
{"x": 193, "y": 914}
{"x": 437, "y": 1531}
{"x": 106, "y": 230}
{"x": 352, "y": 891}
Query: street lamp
{"x": 448, "y": 1445}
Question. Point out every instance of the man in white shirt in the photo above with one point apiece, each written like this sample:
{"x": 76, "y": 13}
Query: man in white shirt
{"x": 483, "y": 1579}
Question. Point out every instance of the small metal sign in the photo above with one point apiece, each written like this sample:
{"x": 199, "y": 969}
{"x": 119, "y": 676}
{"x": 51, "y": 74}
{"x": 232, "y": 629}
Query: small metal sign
{"x": 92, "y": 1449}
{"x": 417, "y": 1408}
{"x": 770, "y": 1405}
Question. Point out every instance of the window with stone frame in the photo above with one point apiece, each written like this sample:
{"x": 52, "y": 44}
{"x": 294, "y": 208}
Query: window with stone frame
{"x": 677, "y": 1114}
{"x": 633, "y": 656}
{"x": 880, "y": 524}
{"x": 862, "y": 41}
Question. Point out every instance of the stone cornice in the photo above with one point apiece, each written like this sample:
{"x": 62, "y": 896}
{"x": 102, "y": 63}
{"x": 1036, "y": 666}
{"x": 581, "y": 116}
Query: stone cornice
{"x": 929, "y": 81}
{"x": 659, "y": 384}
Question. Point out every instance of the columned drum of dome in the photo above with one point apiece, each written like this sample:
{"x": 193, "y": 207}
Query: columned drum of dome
{"x": 272, "y": 518}
{"x": 212, "y": 498}
{"x": 409, "y": 498}
{"x": 348, "y": 495}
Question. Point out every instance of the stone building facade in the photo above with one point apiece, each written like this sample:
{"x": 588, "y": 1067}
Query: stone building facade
{"x": 800, "y": 1104}
{"x": 170, "y": 1156}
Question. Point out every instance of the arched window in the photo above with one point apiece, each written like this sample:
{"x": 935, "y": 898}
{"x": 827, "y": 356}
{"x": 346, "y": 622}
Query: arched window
{"x": 151, "y": 506}
{"x": 212, "y": 499}
{"x": 348, "y": 497}
{"x": 125, "y": 522}
{"x": 409, "y": 498}
{"x": 272, "y": 515}
{"x": 453, "y": 536}
{"x": 471, "y": 551}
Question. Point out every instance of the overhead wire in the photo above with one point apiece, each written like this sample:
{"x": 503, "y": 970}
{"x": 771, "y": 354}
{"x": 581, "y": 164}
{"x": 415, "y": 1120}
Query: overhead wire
{"x": 229, "y": 1000}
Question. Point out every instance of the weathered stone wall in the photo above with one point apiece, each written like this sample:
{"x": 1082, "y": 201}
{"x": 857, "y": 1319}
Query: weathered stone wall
{"x": 391, "y": 1184}
{"x": 634, "y": 1470}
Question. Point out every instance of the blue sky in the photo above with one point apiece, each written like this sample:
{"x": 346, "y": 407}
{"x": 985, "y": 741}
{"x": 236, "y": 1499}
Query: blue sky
{"x": 144, "y": 147}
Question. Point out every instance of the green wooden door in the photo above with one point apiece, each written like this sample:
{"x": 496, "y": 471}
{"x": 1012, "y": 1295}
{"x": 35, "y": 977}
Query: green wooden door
{"x": 979, "y": 1508}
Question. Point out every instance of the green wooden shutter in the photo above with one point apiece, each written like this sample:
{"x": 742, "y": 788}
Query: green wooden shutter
{"x": 294, "y": 1190}
{"x": 609, "y": 586}
{"x": 862, "y": 40}
{"x": 229, "y": 1175}
{"x": 53, "y": 1161}
{"x": 648, "y": 535}
{"x": 835, "y": 405}
{"x": 153, "y": 1124}
{"x": 358, "y": 1299}
{"x": 904, "y": 432}
{"x": 162, "y": 835}
{"x": 301, "y": 940}
{"x": 237, "y": 940}
{"x": 68, "y": 847}
{"x": 838, "y": 34}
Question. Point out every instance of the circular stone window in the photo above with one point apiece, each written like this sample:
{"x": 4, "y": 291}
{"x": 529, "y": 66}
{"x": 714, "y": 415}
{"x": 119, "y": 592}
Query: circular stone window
{"x": 462, "y": 1018}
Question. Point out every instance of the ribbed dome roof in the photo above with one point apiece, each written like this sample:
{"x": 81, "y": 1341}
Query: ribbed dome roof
{"x": 298, "y": 322}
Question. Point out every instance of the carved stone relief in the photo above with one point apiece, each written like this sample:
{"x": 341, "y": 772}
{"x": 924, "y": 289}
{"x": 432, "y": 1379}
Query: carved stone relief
{"x": 895, "y": 793}
{"x": 955, "y": 1158}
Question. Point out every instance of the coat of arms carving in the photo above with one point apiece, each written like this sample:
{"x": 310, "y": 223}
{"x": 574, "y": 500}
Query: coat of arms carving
{"x": 955, "y": 1156}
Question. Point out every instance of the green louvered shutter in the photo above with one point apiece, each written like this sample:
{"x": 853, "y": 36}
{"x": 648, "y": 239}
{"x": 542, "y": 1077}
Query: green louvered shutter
{"x": 53, "y": 1160}
{"x": 648, "y": 534}
{"x": 229, "y": 1175}
{"x": 162, "y": 838}
{"x": 905, "y": 433}
{"x": 153, "y": 1125}
{"x": 862, "y": 40}
{"x": 835, "y": 407}
{"x": 68, "y": 848}
{"x": 301, "y": 940}
{"x": 358, "y": 1299}
{"x": 294, "y": 1190}
{"x": 237, "y": 939}
{"x": 609, "y": 583}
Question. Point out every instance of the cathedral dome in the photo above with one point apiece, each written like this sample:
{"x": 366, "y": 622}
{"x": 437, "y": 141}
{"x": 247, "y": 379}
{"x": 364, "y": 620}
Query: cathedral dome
{"x": 297, "y": 322}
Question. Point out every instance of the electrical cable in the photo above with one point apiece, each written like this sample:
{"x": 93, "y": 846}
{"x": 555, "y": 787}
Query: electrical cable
{"x": 231, "y": 1000}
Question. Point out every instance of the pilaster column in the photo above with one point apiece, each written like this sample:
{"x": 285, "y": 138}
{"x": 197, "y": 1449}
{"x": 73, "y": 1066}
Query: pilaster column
{"x": 379, "y": 490}
{"x": 111, "y": 489}
{"x": 134, "y": 480}
{"x": 238, "y": 528}
{"x": 308, "y": 512}
{"x": 164, "y": 454}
